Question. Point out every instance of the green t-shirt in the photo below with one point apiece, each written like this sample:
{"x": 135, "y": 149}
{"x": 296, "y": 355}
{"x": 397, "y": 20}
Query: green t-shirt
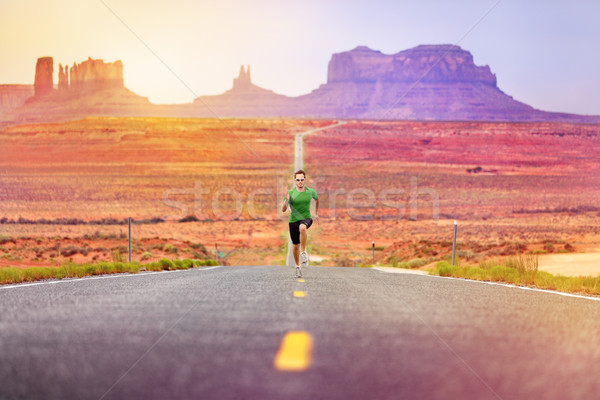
{"x": 299, "y": 203}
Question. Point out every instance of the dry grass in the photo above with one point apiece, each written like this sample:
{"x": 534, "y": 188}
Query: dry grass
{"x": 521, "y": 270}
{"x": 20, "y": 275}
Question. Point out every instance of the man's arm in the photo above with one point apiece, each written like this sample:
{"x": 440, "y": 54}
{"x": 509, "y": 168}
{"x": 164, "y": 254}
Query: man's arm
{"x": 317, "y": 210}
{"x": 285, "y": 202}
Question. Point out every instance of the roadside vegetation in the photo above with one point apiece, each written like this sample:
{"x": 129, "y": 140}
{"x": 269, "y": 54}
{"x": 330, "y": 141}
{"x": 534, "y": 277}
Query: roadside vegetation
{"x": 71, "y": 270}
{"x": 521, "y": 270}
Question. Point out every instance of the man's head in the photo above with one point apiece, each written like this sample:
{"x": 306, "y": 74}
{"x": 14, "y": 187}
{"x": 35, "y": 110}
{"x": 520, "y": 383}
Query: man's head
{"x": 299, "y": 178}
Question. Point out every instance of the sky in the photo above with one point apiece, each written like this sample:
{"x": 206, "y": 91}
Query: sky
{"x": 543, "y": 52}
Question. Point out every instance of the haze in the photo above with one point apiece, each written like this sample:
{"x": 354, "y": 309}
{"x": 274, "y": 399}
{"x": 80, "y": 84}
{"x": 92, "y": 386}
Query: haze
{"x": 542, "y": 52}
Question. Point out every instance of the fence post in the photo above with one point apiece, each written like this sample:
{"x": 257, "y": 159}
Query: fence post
{"x": 373, "y": 244}
{"x": 129, "y": 222}
{"x": 454, "y": 242}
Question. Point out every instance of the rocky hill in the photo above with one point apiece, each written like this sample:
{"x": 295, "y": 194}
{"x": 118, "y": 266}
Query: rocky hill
{"x": 89, "y": 88}
{"x": 428, "y": 82}
{"x": 13, "y": 96}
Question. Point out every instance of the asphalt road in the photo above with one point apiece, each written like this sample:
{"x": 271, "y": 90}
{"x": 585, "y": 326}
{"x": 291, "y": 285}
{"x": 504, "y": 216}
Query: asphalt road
{"x": 214, "y": 334}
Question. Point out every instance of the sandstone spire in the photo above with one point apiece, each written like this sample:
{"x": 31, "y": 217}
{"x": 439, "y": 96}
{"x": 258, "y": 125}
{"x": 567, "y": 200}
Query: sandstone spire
{"x": 43, "y": 84}
{"x": 242, "y": 82}
{"x": 63, "y": 80}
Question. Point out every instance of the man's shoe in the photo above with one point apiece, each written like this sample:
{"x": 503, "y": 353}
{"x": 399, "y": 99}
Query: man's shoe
{"x": 303, "y": 259}
{"x": 298, "y": 272}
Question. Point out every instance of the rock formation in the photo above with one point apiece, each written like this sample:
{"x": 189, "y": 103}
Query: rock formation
{"x": 426, "y": 63}
{"x": 243, "y": 81}
{"x": 44, "y": 69}
{"x": 92, "y": 88}
{"x": 244, "y": 99}
{"x": 13, "y": 96}
{"x": 63, "y": 77}
{"x": 428, "y": 82}
{"x": 95, "y": 75}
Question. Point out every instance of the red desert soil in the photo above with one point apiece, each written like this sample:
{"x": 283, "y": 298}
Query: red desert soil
{"x": 512, "y": 186}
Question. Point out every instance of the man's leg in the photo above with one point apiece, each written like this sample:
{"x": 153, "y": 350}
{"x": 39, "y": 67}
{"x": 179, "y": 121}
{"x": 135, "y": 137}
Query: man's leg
{"x": 303, "y": 236}
{"x": 296, "y": 251}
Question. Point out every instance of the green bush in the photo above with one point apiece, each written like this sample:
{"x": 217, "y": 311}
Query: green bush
{"x": 445, "y": 269}
{"x": 166, "y": 264}
{"x": 206, "y": 263}
{"x": 416, "y": 263}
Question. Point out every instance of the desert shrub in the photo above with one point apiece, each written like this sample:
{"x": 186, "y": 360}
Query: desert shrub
{"x": 476, "y": 273}
{"x": 429, "y": 251}
{"x": 120, "y": 267}
{"x": 166, "y": 264}
{"x": 7, "y": 239}
{"x": 121, "y": 249}
{"x": 487, "y": 264}
{"x": 445, "y": 269}
{"x": 134, "y": 267}
{"x": 416, "y": 263}
{"x": 116, "y": 256}
{"x": 146, "y": 256}
{"x": 200, "y": 247}
{"x": 105, "y": 268}
{"x": 187, "y": 263}
{"x": 465, "y": 254}
{"x": 393, "y": 261}
{"x": 69, "y": 251}
{"x": 526, "y": 265}
{"x": 206, "y": 263}
{"x": 501, "y": 273}
{"x": 189, "y": 218}
{"x": 569, "y": 247}
{"x": 513, "y": 248}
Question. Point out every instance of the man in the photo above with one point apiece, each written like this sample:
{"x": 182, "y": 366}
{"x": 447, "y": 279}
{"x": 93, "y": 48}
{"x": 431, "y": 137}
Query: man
{"x": 298, "y": 199}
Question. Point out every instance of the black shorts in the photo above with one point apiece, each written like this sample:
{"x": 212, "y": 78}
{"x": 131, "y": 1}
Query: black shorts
{"x": 295, "y": 229}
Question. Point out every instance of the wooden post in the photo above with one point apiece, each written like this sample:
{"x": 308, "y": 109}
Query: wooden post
{"x": 373, "y": 244}
{"x": 129, "y": 221}
{"x": 454, "y": 242}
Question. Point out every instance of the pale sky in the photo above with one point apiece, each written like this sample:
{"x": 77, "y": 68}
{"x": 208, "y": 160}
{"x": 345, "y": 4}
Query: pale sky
{"x": 543, "y": 52}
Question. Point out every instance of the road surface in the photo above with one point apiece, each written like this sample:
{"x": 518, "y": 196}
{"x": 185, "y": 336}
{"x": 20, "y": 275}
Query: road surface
{"x": 215, "y": 334}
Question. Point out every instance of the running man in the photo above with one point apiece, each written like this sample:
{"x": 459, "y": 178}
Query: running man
{"x": 298, "y": 199}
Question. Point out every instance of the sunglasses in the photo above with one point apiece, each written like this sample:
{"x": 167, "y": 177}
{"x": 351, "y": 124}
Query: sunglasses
{"x": 299, "y": 179}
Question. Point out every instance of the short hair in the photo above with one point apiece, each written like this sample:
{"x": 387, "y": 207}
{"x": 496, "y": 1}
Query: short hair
{"x": 300, "y": 172}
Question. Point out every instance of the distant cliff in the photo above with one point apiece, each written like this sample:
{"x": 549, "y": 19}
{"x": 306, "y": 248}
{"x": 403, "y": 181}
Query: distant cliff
{"x": 89, "y": 88}
{"x": 427, "y": 82}
{"x": 13, "y": 96}
{"x": 427, "y": 63}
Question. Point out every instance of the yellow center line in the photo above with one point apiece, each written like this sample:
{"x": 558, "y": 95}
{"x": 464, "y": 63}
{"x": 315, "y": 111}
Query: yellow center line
{"x": 301, "y": 280}
{"x": 295, "y": 352}
{"x": 299, "y": 293}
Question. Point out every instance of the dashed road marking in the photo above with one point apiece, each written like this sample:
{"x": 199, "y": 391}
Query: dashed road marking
{"x": 301, "y": 280}
{"x": 299, "y": 293}
{"x": 295, "y": 352}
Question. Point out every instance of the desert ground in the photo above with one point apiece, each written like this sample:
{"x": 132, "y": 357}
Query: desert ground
{"x": 193, "y": 186}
